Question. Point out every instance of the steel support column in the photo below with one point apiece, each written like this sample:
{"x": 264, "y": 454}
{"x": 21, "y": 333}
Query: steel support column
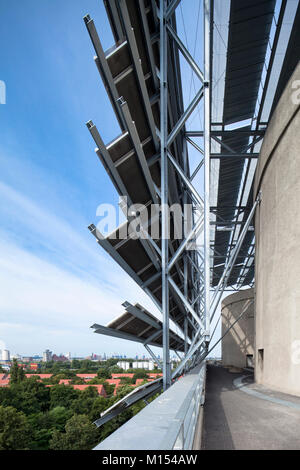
{"x": 164, "y": 190}
{"x": 206, "y": 138}
{"x": 200, "y": 281}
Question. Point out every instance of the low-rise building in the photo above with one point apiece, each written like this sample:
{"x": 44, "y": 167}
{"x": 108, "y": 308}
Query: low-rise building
{"x": 146, "y": 364}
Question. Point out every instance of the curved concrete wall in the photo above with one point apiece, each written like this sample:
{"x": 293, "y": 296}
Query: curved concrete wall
{"x": 239, "y": 341}
{"x": 277, "y": 230}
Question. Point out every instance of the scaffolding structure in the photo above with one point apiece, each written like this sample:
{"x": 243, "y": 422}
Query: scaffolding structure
{"x": 177, "y": 278}
{"x": 149, "y": 164}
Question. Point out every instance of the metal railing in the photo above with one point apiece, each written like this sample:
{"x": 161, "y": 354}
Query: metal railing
{"x": 169, "y": 422}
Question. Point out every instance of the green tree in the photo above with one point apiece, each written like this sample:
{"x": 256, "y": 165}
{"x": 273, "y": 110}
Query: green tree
{"x": 116, "y": 370}
{"x": 96, "y": 381}
{"x": 41, "y": 439}
{"x": 40, "y": 426}
{"x": 21, "y": 374}
{"x": 14, "y": 429}
{"x": 84, "y": 402}
{"x": 77, "y": 381}
{"x": 137, "y": 407}
{"x": 59, "y": 417}
{"x": 99, "y": 405}
{"x": 61, "y": 376}
{"x": 123, "y": 390}
{"x": 75, "y": 364}
{"x": 114, "y": 424}
{"x": 29, "y": 396}
{"x": 56, "y": 368}
{"x": 14, "y": 372}
{"x": 89, "y": 392}
{"x": 111, "y": 362}
{"x": 86, "y": 365}
{"x": 141, "y": 374}
{"x": 80, "y": 434}
{"x": 62, "y": 395}
{"x": 126, "y": 380}
{"x": 109, "y": 388}
{"x": 104, "y": 373}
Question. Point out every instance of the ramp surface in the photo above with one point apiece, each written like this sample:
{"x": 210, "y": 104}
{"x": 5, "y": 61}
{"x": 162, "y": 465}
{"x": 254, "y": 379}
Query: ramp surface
{"x": 237, "y": 420}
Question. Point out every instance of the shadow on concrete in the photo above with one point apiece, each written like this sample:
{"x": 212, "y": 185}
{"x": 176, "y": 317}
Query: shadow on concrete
{"x": 234, "y": 419}
{"x": 216, "y": 433}
{"x": 239, "y": 339}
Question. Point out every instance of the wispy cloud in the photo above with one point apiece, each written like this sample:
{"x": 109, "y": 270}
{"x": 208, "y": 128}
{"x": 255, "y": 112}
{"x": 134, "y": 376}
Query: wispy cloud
{"x": 54, "y": 281}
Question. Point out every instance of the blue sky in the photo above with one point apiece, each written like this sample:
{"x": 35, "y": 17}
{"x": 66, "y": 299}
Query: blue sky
{"x": 55, "y": 280}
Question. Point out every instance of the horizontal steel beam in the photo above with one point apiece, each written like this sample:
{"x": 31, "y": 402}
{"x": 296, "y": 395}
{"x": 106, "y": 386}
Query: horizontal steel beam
{"x": 234, "y": 155}
{"x": 138, "y": 313}
{"x": 226, "y": 133}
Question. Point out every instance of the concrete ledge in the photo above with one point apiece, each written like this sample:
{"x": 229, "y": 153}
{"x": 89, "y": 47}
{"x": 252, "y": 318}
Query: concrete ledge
{"x": 169, "y": 422}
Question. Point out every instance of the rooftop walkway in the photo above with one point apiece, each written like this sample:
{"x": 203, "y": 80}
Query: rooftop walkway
{"x": 239, "y": 414}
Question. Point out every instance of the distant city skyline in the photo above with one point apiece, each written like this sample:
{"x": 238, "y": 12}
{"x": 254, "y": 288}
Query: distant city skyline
{"x": 117, "y": 355}
{"x": 107, "y": 355}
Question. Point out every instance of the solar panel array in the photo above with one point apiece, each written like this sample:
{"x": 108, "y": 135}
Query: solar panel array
{"x": 254, "y": 76}
{"x": 252, "y": 60}
{"x": 130, "y": 70}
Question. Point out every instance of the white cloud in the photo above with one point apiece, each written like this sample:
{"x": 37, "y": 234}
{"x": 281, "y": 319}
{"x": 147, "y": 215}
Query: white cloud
{"x": 55, "y": 283}
{"x": 47, "y": 292}
{"x": 42, "y": 303}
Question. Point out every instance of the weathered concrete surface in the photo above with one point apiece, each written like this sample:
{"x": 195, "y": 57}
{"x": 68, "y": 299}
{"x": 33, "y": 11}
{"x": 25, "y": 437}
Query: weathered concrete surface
{"x": 239, "y": 341}
{"x": 277, "y": 231}
{"x": 236, "y": 420}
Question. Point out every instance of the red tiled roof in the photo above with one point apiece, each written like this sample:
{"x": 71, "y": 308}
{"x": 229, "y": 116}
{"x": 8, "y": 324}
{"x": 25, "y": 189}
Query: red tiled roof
{"x": 122, "y": 375}
{"x": 113, "y": 381}
{"x": 87, "y": 376}
{"x": 41, "y": 376}
{"x": 4, "y": 380}
{"x": 139, "y": 381}
{"x": 64, "y": 381}
{"x": 100, "y": 388}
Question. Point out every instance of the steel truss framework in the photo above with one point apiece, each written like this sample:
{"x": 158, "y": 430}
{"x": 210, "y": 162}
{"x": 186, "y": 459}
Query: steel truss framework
{"x": 193, "y": 298}
{"x": 141, "y": 74}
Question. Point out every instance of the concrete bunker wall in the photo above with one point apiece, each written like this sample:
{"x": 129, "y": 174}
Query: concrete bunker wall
{"x": 277, "y": 230}
{"x": 238, "y": 344}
